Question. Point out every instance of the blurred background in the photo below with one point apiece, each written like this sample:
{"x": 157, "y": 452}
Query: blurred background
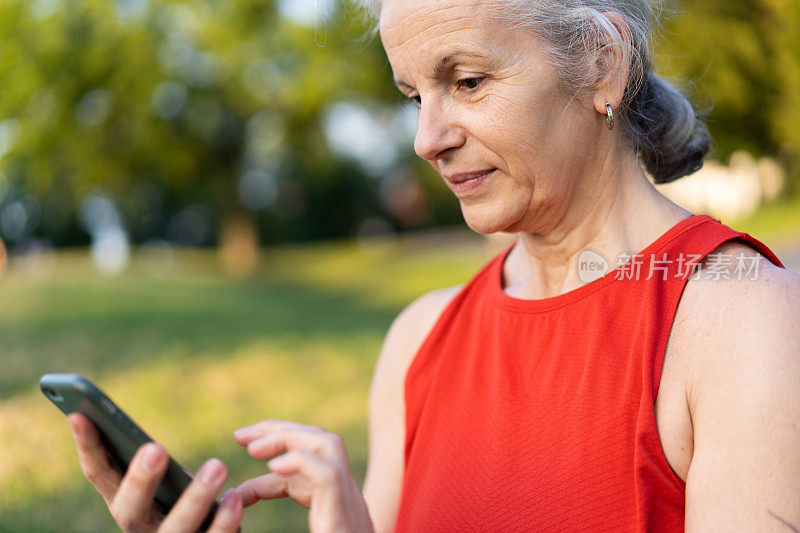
{"x": 212, "y": 208}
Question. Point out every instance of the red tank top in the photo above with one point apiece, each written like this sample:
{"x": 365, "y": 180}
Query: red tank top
{"x": 538, "y": 415}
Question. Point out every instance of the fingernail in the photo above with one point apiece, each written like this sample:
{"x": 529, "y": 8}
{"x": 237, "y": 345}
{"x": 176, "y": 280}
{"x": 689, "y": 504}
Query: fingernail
{"x": 152, "y": 456}
{"x": 242, "y": 432}
{"x": 231, "y": 501}
{"x": 211, "y": 471}
{"x": 73, "y": 426}
{"x": 277, "y": 462}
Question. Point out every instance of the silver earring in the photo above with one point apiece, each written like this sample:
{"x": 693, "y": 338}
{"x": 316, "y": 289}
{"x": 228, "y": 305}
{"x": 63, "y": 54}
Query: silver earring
{"x": 609, "y": 116}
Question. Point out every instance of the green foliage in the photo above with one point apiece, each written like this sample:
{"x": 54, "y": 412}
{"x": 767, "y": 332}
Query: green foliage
{"x": 193, "y": 355}
{"x": 166, "y": 107}
{"x": 181, "y": 98}
{"x": 743, "y": 60}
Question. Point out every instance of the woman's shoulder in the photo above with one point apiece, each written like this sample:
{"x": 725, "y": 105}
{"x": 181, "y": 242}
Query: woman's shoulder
{"x": 412, "y": 325}
{"x": 386, "y": 405}
{"x": 737, "y": 291}
{"x": 738, "y": 322}
{"x": 405, "y": 336}
{"x": 430, "y": 305}
{"x": 738, "y": 340}
{"x": 735, "y": 283}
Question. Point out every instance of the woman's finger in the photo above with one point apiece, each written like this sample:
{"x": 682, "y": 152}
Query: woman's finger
{"x": 247, "y": 434}
{"x": 318, "y": 471}
{"x": 311, "y": 479}
{"x": 92, "y": 455}
{"x": 192, "y": 507}
{"x": 267, "y": 487}
{"x": 132, "y": 505}
{"x": 229, "y": 515}
{"x": 276, "y": 442}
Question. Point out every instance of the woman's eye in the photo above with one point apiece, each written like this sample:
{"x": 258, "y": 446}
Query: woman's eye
{"x": 471, "y": 83}
{"x": 416, "y": 99}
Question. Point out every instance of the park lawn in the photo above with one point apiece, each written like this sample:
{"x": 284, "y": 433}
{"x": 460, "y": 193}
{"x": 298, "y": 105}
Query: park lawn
{"x": 775, "y": 224}
{"x": 195, "y": 354}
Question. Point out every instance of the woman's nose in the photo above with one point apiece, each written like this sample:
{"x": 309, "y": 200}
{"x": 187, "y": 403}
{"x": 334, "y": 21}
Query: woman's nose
{"x": 436, "y": 132}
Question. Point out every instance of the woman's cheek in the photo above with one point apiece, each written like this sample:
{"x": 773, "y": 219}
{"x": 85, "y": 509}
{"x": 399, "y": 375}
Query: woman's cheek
{"x": 515, "y": 116}
{"x": 498, "y": 102}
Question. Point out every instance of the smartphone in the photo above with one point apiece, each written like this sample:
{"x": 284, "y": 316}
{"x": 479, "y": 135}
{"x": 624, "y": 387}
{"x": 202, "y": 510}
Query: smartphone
{"x": 121, "y": 436}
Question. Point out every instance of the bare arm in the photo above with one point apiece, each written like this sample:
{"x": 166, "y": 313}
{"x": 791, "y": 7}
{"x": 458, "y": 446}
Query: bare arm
{"x": 383, "y": 482}
{"x": 744, "y": 399}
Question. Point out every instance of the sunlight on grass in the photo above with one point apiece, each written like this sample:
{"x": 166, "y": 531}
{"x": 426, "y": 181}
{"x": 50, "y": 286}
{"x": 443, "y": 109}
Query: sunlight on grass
{"x": 382, "y": 272}
{"x": 196, "y": 354}
{"x": 193, "y": 409}
{"x": 774, "y": 224}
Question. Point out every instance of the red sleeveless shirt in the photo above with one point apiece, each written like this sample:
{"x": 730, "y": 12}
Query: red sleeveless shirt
{"x": 538, "y": 415}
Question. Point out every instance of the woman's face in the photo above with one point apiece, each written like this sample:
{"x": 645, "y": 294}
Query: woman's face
{"x": 489, "y": 100}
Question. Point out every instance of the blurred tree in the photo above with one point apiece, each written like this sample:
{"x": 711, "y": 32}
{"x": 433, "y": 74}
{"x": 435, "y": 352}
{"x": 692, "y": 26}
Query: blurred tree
{"x": 178, "y": 113}
{"x": 164, "y": 106}
{"x": 743, "y": 60}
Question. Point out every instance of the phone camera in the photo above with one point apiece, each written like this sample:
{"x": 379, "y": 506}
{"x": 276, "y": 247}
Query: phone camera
{"x": 52, "y": 394}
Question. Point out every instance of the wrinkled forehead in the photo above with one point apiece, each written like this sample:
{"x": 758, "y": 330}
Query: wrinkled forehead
{"x": 425, "y": 20}
{"x": 411, "y": 30}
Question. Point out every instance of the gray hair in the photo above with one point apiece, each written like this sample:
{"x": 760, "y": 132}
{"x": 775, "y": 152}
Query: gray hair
{"x": 662, "y": 125}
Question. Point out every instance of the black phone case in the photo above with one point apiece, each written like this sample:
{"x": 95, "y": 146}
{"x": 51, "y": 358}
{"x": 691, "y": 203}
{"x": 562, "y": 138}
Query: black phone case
{"x": 120, "y": 435}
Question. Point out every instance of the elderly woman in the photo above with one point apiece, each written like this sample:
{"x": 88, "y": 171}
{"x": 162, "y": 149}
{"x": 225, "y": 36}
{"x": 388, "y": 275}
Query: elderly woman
{"x": 663, "y": 394}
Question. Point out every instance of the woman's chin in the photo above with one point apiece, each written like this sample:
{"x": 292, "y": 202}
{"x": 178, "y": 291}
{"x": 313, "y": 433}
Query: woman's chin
{"x": 487, "y": 221}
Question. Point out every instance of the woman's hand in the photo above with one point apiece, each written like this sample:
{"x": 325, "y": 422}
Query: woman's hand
{"x": 313, "y": 470}
{"x": 130, "y": 497}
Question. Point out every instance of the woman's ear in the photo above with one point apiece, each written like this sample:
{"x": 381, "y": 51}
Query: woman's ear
{"x": 612, "y": 65}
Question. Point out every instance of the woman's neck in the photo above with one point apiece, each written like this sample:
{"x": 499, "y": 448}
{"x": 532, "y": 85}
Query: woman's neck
{"x": 621, "y": 213}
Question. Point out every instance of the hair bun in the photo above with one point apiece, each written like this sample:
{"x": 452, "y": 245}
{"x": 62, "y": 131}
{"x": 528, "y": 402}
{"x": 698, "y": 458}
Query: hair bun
{"x": 671, "y": 139}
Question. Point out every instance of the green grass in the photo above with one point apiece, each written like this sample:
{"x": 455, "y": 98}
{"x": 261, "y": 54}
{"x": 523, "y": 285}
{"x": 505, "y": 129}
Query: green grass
{"x": 196, "y": 354}
{"x": 775, "y": 224}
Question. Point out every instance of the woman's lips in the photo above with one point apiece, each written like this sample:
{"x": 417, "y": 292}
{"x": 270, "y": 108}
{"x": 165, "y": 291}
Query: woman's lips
{"x": 465, "y": 186}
